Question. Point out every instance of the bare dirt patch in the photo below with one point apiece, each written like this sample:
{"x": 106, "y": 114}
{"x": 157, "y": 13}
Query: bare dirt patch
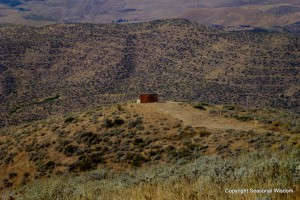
{"x": 198, "y": 118}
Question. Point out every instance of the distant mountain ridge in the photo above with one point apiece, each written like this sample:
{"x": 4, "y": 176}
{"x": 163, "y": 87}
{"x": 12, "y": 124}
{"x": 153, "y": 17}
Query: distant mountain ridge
{"x": 257, "y": 13}
{"x": 293, "y": 27}
{"x": 65, "y": 67}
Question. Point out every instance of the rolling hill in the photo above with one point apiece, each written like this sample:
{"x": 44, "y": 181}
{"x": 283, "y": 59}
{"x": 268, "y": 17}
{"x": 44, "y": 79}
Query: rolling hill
{"x": 65, "y": 67}
{"x": 128, "y": 137}
{"x": 262, "y": 13}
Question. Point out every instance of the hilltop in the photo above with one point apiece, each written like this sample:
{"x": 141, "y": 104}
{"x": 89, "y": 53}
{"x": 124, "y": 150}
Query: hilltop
{"x": 61, "y": 68}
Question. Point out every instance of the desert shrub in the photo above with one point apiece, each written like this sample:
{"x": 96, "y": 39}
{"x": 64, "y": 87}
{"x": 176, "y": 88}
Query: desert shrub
{"x": 138, "y": 141}
{"x": 70, "y": 119}
{"x": 138, "y": 160}
{"x": 2, "y": 154}
{"x": 140, "y": 127}
{"x": 62, "y": 133}
{"x": 12, "y": 175}
{"x": 135, "y": 123}
{"x": 87, "y": 137}
{"x": 213, "y": 112}
{"x": 119, "y": 107}
{"x": 206, "y": 176}
{"x": 186, "y": 142}
{"x": 201, "y": 147}
{"x": 7, "y": 183}
{"x": 70, "y": 150}
{"x": 35, "y": 156}
{"x": 180, "y": 153}
{"x": 42, "y": 167}
{"x": 43, "y": 145}
{"x": 170, "y": 148}
{"x": 191, "y": 146}
{"x": 64, "y": 142}
{"x": 183, "y": 152}
{"x": 229, "y": 107}
{"x": 118, "y": 121}
{"x": 50, "y": 99}
{"x": 153, "y": 153}
{"x": 188, "y": 130}
{"x": 244, "y": 118}
{"x": 222, "y": 147}
{"x": 107, "y": 123}
{"x": 25, "y": 178}
{"x": 8, "y": 159}
{"x": 97, "y": 158}
{"x": 26, "y": 174}
{"x": 135, "y": 159}
{"x": 84, "y": 163}
{"x": 87, "y": 162}
{"x": 201, "y": 106}
{"x": 94, "y": 119}
{"x": 296, "y": 129}
{"x": 83, "y": 150}
{"x": 204, "y": 133}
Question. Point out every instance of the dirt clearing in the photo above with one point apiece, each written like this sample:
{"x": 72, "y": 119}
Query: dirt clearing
{"x": 200, "y": 118}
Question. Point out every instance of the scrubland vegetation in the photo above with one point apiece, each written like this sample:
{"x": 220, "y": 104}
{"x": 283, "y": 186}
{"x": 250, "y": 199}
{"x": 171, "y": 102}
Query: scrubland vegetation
{"x": 182, "y": 60}
{"x": 56, "y": 142}
{"x": 204, "y": 178}
{"x": 133, "y": 151}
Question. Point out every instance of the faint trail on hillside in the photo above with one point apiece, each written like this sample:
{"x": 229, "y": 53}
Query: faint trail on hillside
{"x": 198, "y": 118}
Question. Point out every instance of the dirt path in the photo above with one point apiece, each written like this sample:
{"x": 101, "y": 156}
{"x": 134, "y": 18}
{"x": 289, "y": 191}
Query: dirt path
{"x": 199, "y": 118}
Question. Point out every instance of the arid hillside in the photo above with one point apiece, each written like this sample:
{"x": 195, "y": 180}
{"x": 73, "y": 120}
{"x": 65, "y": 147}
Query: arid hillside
{"x": 262, "y": 13}
{"x": 128, "y": 136}
{"x": 65, "y": 67}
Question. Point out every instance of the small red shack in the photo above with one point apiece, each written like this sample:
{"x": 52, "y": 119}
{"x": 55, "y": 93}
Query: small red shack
{"x": 148, "y": 98}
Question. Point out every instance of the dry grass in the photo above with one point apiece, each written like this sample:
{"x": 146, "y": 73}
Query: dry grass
{"x": 205, "y": 178}
{"x": 128, "y": 136}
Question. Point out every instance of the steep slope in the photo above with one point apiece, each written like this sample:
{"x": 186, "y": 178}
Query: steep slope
{"x": 59, "y": 68}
